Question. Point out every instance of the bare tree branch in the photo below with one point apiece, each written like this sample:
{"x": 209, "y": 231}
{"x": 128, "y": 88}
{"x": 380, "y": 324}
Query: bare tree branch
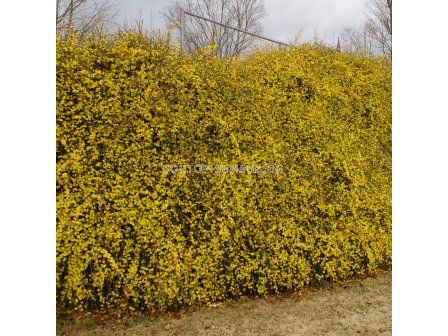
{"x": 242, "y": 14}
{"x": 84, "y": 15}
{"x": 356, "y": 39}
{"x": 374, "y": 34}
{"x": 379, "y": 24}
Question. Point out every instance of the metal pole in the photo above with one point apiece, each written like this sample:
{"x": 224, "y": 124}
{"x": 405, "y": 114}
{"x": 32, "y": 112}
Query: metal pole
{"x": 338, "y": 48}
{"x": 243, "y": 31}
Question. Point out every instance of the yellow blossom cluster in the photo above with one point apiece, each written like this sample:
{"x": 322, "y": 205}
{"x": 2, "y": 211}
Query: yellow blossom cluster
{"x": 130, "y": 235}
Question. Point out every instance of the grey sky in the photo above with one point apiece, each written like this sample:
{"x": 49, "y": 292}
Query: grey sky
{"x": 285, "y": 17}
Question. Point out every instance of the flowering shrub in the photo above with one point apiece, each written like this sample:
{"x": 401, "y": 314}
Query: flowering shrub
{"x": 130, "y": 235}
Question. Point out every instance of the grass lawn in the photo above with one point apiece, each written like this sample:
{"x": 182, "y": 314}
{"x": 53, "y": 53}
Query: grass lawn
{"x": 362, "y": 307}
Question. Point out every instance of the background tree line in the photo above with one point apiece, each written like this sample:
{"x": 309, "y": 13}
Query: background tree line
{"x": 373, "y": 35}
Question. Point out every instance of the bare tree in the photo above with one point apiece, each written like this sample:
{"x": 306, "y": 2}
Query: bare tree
{"x": 356, "y": 38}
{"x": 84, "y": 15}
{"x": 379, "y": 24}
{"x": 242, "y": 14}
{"x": 374, "y": 34}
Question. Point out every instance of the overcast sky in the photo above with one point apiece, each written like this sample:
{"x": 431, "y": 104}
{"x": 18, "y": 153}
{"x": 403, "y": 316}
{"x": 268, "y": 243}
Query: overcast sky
{"x": 285, "y": 17}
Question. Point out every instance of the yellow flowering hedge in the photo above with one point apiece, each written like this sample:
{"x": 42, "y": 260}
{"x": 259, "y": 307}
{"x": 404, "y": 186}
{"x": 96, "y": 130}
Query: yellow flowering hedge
{"x": 130, "y": 235}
